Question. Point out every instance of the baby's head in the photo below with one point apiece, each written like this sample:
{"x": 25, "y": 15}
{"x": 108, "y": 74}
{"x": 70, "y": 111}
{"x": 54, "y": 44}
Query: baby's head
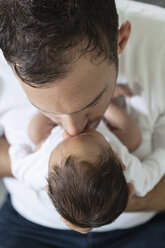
{"x": 86, "y": 182}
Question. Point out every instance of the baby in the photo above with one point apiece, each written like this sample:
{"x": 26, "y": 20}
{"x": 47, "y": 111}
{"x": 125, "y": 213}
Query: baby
{"x": 86, "y": 182}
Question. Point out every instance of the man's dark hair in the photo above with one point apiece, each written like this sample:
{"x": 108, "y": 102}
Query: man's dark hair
{"x": 88, "y": 195}
{"x": 37, "y": 37}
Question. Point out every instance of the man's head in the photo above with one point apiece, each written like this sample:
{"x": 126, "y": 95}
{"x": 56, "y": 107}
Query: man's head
{"x": 86, "y": 182}
{"x": 65, "y": 53}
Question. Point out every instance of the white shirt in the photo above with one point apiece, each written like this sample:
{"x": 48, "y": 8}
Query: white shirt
{"x": 136, "y": 65}
{"x": 31, "y": 168}
{"x": 36, "y": 206}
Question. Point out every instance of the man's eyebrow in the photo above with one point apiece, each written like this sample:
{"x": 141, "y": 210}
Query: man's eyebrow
{"x": 91, "y": 103}
{"x": 95, "y": 99}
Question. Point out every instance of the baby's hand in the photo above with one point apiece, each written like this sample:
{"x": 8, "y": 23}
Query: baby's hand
{"x": 122, "y": 90}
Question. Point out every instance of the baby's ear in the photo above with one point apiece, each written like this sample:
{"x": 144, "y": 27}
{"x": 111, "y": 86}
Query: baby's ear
{"x": 75, "y": 228}
{"x": 131, "y": 190}
{"x": 69, "y": 224}
{"x": 47, "y": 188}
{"x": 120, "y": 162}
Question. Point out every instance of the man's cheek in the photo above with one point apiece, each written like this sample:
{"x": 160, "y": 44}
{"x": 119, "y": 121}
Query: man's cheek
{"x": 53, "y": 118}
{"x": 56, "y": 121}
{"x": 98, "y": 111}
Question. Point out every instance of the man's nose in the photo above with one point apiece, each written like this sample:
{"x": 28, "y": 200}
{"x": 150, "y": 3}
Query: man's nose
{"x": 74, "y": 125}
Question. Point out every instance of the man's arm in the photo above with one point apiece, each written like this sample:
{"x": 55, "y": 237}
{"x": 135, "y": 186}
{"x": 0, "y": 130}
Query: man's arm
{"x": 153, "y": 201}
{"x": 5, "y": 169}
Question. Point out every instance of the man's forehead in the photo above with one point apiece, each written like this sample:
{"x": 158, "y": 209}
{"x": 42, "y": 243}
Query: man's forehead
{"x": 75, "y": 92}
{"x": 71, "y": 113}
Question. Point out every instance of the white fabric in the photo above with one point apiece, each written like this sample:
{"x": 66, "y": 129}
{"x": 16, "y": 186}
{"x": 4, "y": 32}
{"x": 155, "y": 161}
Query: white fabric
{"x": 142, "y": 62}
{"x": 142, "y": 65}
{"x": 1, "y": 131}
{"x": 32, "y": 168}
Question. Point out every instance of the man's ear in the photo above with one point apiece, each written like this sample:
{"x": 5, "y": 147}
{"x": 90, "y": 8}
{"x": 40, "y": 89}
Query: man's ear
{"x": 131, "y": 190}
{"x": 123, "y": 36}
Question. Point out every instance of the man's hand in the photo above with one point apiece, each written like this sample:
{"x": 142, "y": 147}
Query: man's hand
{"x": 5, "y": 169}
{"x": 153, "y": 201}
{"x": 76, "y": 228}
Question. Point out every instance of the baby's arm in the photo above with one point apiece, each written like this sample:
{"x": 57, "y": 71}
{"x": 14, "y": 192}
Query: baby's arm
{"x": 29, "y": 167}
{"x": 123, "y": 126}
{"x": 144, "y": 175}
{"x": 40, "y": 128}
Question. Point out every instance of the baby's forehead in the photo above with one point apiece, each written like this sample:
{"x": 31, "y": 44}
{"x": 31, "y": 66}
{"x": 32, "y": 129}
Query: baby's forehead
{"x": 88, "y": 146}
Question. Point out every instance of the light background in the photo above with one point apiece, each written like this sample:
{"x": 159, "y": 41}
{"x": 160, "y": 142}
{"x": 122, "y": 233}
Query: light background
{"x": 156, "y": 2}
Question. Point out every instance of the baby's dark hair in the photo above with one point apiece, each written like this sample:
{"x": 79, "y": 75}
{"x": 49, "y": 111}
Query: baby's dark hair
{"x": 88, "y": 195}
{"x": 37, "y": 37}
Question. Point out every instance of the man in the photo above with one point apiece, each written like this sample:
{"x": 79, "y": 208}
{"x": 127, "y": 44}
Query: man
{"x": 64, "y": 54}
